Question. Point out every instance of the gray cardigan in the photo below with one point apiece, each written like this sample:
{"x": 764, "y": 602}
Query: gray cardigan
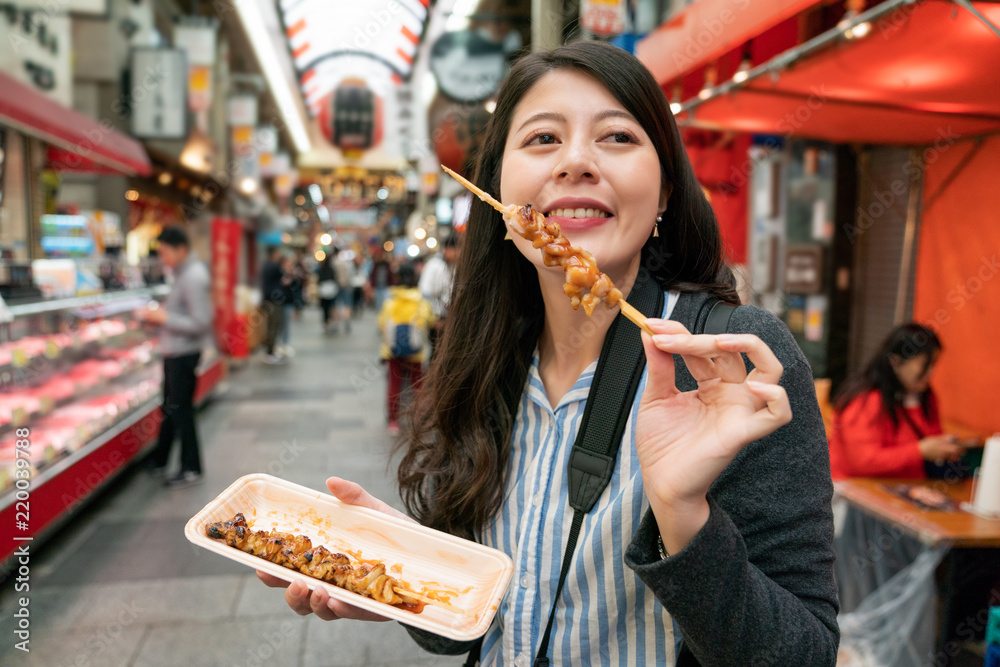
{"x": 188, "y": 328}
{"x": 755, "y": 586}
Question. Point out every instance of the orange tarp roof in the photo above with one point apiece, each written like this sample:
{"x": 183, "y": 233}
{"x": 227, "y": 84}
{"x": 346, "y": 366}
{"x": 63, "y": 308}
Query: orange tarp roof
{"x": 707, "y": 29}
{"x": 926, "y": 73}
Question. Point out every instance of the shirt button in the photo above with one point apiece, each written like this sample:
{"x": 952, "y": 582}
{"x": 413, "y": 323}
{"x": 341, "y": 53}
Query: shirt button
{"x": 525, "y": 580}
{"x": 521, "y": 661}
{"x": 537, "y": 500}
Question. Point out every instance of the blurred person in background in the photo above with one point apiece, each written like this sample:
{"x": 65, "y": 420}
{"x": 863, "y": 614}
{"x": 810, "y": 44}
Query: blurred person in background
{"x": 886, "y": 422}
{"x": 326, "y": 286}
{"x": 292, "y": 281}
{"x": 274, "y": 295}
{"x": 345, "y": 269}
{"x": 186, "y": 322}
{"x": 359, "y": 283}
{"x": 435, "y": 284}
{"x": 405, "y": 319}
{"x": 381, "y": 279}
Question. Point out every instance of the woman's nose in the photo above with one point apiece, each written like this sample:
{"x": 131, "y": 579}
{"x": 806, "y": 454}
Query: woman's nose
{"x": 576, "y": 162}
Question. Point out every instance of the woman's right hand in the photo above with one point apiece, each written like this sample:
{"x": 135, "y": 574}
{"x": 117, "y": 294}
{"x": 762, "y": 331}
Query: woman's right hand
{"x": 319, "y": 602}
{"x": 940, "y": 448}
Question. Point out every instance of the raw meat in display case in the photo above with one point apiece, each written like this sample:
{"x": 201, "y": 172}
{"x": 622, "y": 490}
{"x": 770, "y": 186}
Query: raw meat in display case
{"x": 82, "y": 375}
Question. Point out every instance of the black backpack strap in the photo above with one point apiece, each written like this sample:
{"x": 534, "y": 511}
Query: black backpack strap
{"x": 716, "y": 318}
{"x": 609, "y": 405}
{"x": 717, "y": 315}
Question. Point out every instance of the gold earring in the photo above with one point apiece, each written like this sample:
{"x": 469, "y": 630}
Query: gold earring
{"x": 656, "y": 227}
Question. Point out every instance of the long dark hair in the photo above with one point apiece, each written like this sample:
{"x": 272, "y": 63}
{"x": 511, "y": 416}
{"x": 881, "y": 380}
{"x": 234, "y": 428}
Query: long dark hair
{"x": 456, "y": 452}
{"x": 905, "y": 342}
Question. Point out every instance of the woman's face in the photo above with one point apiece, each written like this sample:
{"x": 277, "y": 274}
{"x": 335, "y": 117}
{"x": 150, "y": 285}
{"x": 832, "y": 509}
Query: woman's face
{"x": 576, "y": 154}
{"x": 914, "y": 373}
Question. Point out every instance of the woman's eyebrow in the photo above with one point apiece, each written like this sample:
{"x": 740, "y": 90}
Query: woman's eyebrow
{"x": 614, "y": 113}
{"x": 543, "y": 115}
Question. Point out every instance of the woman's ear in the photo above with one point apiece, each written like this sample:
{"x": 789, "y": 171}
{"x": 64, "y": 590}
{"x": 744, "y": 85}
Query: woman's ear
{"x": 665, "y": 193}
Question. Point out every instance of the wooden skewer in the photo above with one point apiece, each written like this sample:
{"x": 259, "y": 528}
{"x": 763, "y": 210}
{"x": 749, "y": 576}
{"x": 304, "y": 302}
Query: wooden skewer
{"x": 628, "y": 310}
{"x": 404, "y": 593}
{"x": 482, "y": 195}
{"x": 476, "y": 191}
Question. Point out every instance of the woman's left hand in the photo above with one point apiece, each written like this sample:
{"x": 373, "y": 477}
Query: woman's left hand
{"x": 684, "y": 440}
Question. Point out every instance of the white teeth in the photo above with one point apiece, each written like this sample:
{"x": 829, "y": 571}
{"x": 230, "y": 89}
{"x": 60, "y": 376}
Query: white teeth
{"x": 578, "y": 213}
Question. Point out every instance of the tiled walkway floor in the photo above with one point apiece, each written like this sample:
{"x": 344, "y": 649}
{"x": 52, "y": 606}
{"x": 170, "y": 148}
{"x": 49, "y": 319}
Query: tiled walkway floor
{"x": 122, "y": 586}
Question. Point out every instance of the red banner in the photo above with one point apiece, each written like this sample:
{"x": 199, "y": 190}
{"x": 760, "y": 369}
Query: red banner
{"x": 226, "y": 238}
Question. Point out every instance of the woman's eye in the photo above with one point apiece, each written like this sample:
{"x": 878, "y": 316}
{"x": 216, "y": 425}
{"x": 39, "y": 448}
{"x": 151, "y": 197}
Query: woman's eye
{"x": 621, "y": 137}
{"x": 542, "y": 138}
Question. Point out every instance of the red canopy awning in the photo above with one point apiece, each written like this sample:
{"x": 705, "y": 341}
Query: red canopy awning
{"x": 91, "y": 142}
{"x": 925, "y": 73}
{"x": 706, "y": 30}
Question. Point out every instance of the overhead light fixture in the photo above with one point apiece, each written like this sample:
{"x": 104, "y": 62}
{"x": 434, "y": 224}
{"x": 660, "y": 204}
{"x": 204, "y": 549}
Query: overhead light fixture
{"x": 315, "y": 194}
{"x": 300, "y": 200}
{"x": 420, "y": 234}
{"x": 846, "y": 24}
{"x": 432, "y": 243}
{"x": 320, "y": 255}
{"x": 413, "y": 251}
{"x": 325, "y": 239}
{"x": 198, "y": 152}
{"x": 165, "y": 178}
{"x": 459, "y": 17}
{"x": 743, "y": 71}
{"x": 248, "y": 186}
{"x": 132, "y": 195}
{"x": 858, "y": 31}
{"x": 491, "y": 106}
{"x": 267, "y": 59}
{"x": 383, "y": 193}
{"x": 711, "y": 76}
{"x": 388, "y": 246}
{"x": 675, "y": 99}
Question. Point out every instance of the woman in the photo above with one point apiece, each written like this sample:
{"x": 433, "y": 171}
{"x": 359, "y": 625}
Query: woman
{"x": 886, "y": 422}
{"x": 739, "y": 498}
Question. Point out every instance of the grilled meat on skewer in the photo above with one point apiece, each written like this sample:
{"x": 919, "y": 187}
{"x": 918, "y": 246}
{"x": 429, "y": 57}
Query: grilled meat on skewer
{"x": 297, "y": 553}
{"x": 585, "y": 284}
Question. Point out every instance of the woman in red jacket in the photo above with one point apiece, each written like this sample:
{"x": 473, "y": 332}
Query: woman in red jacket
{"x": 887, "y": 422}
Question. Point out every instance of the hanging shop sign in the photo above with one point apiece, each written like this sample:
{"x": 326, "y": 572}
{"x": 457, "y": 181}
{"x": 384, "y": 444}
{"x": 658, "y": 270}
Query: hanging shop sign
{"x": 198, "y": 42}
{"x": 226, "y": 238}
{"x": 285, "y": 182}
{"x": 605, "y": 18}
{"x": 265, "y": 144}
{"x": 469, "y": 65}
{"x": 242, "y": 110}
{"x": 35, "y": 49}
{"x": 158, "y": 98}
{"x": 804, "y": 269}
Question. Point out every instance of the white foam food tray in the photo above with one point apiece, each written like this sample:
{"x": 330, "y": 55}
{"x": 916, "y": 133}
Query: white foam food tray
{"x": 421, "y": 557}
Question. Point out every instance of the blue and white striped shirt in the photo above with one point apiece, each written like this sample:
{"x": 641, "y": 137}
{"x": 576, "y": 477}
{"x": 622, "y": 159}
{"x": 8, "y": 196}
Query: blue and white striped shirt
{"x": 605, "y": 615}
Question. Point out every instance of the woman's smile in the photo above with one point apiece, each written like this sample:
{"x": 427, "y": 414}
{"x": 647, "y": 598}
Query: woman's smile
{"x": 577, "y": 213}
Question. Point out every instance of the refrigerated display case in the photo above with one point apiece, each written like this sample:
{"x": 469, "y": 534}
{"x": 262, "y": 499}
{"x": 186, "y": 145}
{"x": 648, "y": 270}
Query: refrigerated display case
{"x": 80, "y": 390}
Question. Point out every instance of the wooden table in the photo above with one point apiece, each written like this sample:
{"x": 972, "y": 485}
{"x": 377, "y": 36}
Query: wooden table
{"x": 959, "y": 529}
{"x": 963, "y": 533}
